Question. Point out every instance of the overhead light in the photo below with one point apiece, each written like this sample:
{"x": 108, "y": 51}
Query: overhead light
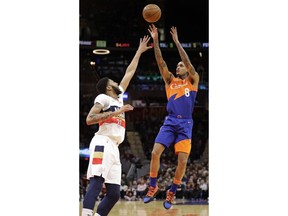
{"x": 101, "y": 51}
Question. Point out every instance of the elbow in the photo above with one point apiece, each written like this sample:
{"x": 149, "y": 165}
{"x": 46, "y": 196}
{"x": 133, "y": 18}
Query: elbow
{"x": 88, "y": 121}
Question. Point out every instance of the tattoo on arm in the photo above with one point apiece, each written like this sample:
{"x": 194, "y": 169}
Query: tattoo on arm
{"x": 157, "y": 52}
{"x": 185, "y": 59}
{"x": 166, "y": 75}
{"x": 162, "y": 65}
{"x": 159, "y": 59}
{"x": 101, "y": 116}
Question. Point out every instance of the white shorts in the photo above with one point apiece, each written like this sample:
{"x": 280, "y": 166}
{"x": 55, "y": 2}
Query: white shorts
{"x": 104, "y": 160}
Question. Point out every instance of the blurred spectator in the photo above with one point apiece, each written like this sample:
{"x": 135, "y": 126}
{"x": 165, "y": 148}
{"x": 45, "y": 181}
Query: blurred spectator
{"x": 180, "y": 192}
{"x": 196, "y": 193}
{"x": 123, "y": 189}
{"x": 189, "y": 189}
{"x": 141, "y": 188}
{"x": 129, "y": 196}
{"x": 204, "y": 189}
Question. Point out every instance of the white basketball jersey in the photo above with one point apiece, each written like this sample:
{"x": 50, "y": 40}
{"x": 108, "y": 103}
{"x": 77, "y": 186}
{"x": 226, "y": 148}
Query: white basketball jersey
{"x": 113, "y": 127}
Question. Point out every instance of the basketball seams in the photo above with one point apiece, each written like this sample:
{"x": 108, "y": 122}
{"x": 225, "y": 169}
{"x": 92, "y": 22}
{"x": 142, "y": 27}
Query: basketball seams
{"x": 151, "y": 13}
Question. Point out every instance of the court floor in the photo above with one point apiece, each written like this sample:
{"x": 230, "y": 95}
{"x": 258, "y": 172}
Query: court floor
{"x": 155, "y": 208}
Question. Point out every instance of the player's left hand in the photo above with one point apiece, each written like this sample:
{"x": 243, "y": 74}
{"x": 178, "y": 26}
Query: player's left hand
{"x": 174, "y": 34}
{"x": 143, "y": 44}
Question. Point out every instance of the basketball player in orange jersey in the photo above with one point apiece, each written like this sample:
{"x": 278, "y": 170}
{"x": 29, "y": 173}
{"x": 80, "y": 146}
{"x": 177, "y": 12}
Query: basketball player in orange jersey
{"x": 177, "y": 128}
{"x": 104, "y": 162}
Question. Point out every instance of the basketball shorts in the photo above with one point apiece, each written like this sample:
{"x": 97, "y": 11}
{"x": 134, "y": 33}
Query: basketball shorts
{"x": 104, "y": 160}
{"x": 178, "y": 132}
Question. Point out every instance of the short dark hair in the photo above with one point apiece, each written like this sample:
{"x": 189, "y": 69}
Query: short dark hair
{"x": 101, "y": 85}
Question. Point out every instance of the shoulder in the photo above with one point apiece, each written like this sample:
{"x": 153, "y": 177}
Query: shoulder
{"x": 103, "y": 99}
{"x": 172, "y": 79}
{"x": 194, "y": 80}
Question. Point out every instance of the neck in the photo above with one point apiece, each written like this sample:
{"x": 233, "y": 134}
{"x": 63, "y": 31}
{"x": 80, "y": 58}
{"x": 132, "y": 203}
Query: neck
{"x": 113, "y": 95}
{"x": 183, "y": 76}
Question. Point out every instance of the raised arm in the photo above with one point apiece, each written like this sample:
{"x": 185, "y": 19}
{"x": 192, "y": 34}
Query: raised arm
{"x": 130, "y": 71}
{"x": 193, "y": 75}
{"x": 166, "y": 75}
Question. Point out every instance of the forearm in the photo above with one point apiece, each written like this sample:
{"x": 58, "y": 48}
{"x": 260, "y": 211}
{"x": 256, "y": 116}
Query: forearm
{"x": 130, "y": 71}
{"x": 158, "y": 55}
{"x": 134, "y": 63}
{"x": 157, "y": 52}
{"x": 184, "y": 57}
{"x": 161, "y": 63}
{"x": 95, "y": 118}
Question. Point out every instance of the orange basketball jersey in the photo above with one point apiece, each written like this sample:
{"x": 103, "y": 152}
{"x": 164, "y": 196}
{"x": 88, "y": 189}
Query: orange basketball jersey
{"x": 181, "y": 95}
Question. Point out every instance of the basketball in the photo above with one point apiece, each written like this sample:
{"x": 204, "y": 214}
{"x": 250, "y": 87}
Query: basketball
{"x": 151, "y": 13}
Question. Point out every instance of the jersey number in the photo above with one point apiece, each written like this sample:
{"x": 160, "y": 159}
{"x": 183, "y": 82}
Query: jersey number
{"x": 187, "y": 92}
{"x": 119, "y": 122}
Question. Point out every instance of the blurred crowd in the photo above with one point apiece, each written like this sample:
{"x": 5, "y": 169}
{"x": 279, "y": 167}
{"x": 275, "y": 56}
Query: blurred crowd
{"x": 195, "y": 183}
{"x": 194, "y": 186}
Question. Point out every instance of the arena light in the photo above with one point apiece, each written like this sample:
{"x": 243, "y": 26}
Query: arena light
{"x": 84, "y": 152}
{"x": 101, "y": 51}
{"x": 101, "y": 43}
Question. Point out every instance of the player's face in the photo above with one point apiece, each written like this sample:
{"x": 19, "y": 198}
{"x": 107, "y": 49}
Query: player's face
{"x": 115, "y": 87}
{"x": 181, "y": 69}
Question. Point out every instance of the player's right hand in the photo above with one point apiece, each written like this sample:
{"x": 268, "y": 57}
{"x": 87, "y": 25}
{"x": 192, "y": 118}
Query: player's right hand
{"x": 153, "y": 31}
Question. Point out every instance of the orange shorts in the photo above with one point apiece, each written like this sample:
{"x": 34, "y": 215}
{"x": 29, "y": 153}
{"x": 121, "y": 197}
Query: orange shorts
{"x": 183, "y": 146}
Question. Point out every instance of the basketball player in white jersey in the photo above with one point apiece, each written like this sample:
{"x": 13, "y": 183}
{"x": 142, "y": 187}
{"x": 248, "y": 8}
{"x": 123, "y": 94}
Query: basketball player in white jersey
{"x": 104, "y": 162}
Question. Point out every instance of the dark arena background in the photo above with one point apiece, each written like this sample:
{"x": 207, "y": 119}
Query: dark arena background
{"x": 117, "y": 25}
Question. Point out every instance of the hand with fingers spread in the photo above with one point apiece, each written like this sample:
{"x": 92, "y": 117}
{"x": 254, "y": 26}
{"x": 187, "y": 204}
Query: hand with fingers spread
{"x": 174, "y": 34}
{"x": 153, "y": 31}
{"x": 125, "y": 108}
{"x": 143, "y": 44}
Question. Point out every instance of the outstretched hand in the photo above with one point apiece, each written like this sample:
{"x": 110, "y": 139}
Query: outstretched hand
{"x": 174, "y": 34}
{"x": 153, "y": 31}
{"x": 143, "y": 44}
{"x": 125, "y": 108}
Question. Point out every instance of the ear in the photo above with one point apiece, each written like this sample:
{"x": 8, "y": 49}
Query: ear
{"x": 108, "y": 88}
